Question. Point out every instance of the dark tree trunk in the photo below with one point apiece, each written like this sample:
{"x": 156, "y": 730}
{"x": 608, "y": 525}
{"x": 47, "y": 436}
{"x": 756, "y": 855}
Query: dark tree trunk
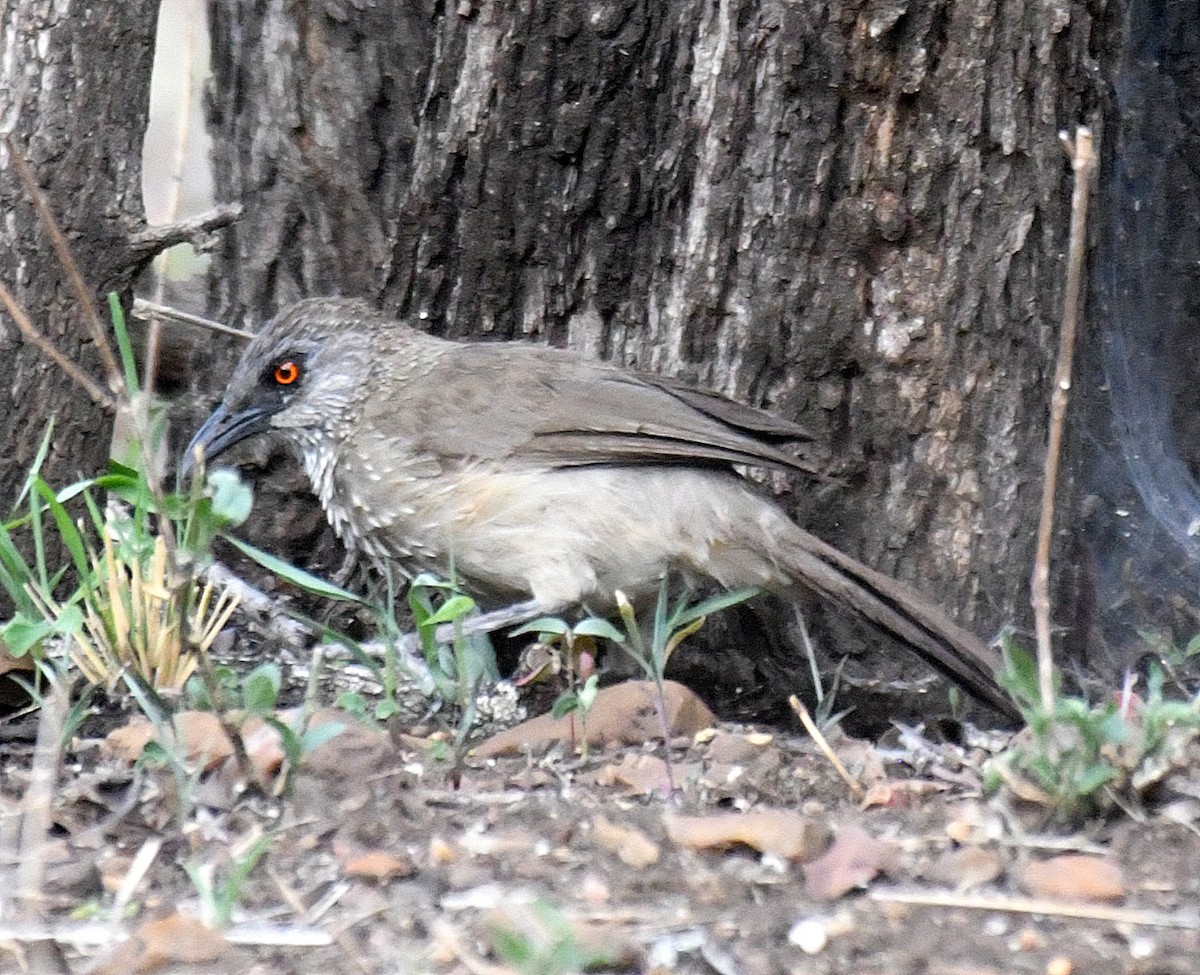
{"x": 853, "y": 213}
{"x": 74, "y": 95}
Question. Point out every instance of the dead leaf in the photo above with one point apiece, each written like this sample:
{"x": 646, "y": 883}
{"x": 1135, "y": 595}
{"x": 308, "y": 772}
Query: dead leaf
{"x": 631, "y": 845}
{"x": 264, "y": 747}
{"x": 1075, "y": 876}
{"x": 625, "y": 714}
{"x": 853, "y": 860}
{"x": 778, "y": 831}
{"x": 172, "y": 940}
{"x": 198, "y": 735}
{"x": 643, "y": 774}
{"x": 379, "y": 866}
{"x": 727, "y": 748}
{"x": 900, "y": 792}
{"x": 966, "y": 867}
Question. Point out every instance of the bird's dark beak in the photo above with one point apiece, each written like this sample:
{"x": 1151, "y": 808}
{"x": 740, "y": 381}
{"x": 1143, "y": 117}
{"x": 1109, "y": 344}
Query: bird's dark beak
{"x": 221, "y": 431}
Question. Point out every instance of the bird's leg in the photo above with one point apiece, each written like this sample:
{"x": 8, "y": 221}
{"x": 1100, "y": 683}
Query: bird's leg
{"x": 496, "y": 619}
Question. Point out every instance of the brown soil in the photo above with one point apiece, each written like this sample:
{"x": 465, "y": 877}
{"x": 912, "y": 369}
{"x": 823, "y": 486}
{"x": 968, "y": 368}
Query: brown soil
{"x": 397, "y": 860}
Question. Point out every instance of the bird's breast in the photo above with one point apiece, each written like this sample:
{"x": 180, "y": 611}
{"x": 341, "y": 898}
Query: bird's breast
{"x": 383, "y": 498}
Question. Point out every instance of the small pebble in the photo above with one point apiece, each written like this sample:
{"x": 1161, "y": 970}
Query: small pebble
{"x": 996, "y": 925}
{"x": 1141, "y": 947}
{"x": 1059, "y": 965}
{"x": 810, "y": 935}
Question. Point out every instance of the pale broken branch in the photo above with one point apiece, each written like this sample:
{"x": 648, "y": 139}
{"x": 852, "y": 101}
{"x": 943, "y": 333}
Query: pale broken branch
{"x": 1083, "y": 161}
{"x": 150, "y": 242}
{"x": 822, "y": 743}
{"x": 1187, "y": 919}
{"x": 147, "y": 310}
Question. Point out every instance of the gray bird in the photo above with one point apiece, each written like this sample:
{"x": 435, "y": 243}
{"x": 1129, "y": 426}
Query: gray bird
{"x": 546, "y": 480}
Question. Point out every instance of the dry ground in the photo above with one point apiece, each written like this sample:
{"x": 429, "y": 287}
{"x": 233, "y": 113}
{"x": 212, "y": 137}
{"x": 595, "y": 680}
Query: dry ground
{"x": 385, "y": 857}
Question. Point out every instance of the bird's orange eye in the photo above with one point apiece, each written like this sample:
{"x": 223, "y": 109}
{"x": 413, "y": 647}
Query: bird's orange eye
{"x": 287, "y": 373}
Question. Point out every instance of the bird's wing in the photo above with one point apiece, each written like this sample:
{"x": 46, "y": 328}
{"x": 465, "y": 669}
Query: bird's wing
{"x": 515, "y": 401}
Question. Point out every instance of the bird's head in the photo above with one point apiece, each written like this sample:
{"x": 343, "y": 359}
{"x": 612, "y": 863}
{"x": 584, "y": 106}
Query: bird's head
{"x": 303, "y": 375}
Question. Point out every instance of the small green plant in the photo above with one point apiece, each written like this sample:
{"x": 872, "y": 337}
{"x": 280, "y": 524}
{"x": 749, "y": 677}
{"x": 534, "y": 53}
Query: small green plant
{"x": 571, "y": 650}
{"x": 542, "y": 941}
{"x": 453, "y": 671}
{"x": 1078, "y": 759}
{"x": 460, "y": 667}
{"x": 671, "y": 626}
{"x": 133, "y": 610}
{"x": 221, "y": 894}
{"x": 1163, "y": 644}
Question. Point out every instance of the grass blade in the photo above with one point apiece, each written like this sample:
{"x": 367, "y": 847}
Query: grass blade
{"x": 296, "y": 576}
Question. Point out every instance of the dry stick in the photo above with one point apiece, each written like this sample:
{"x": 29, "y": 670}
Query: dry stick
{"x": 87, "y": 300}
{"x": 51, "y": 351}
{"x": 146, "y": 310}
{"x": 822, "y": 743}
{"x": 1083, "y": 162}
{"x": 1188, "y": 920}
{"x": 296, "y": 903}
{"x": 151, "y": 241}
{"x": 38, "y": 801}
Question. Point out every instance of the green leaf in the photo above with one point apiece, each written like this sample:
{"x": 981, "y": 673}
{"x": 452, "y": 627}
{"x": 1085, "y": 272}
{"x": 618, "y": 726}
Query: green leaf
{"x": 352, "y": 703}
{"x": 427, "y": 580}
{"x": 683, "y": 616}
{"x": 1019, "y": 675}
{"x": 587, "y": 693}
{"x": 514, "y": 949}
{"x": 292, "y": 749}
{"x": 385, "y": 710}
{"x": 603, "y": 629}
{"x": 38, "y": 460}
{"x": 153, "y": 756}
{"x": 317, "y": 735}
{"x": 565, "y": 703}
{"x": 232, "y": 498}
{"x": 296, "y": 576}
{"x": 454, "y": 608}
{"x": 260, "y": 689}
{"x": 1094, "y": 777}
{"x": 21, "y": 634}
{"x": 69, "y": 620}
{"x": 543, "y": 624}
{"x": 128, "y": 362}
{"x": 66, "y": 529}
{"x": 74, "y": 490}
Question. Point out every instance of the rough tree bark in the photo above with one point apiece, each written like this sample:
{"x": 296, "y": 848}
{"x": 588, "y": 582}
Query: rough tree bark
{"x": 74, "y": 95}
{"x": 853, "y": 213}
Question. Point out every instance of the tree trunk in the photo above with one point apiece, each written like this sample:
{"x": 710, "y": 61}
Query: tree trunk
{"x": 852, "y": 213}
{"x": 74, "y": 95}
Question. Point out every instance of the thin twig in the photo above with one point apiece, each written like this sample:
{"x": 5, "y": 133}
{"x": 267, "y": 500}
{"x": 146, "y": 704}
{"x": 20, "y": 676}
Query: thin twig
{"x": 146, "y": 310}
{"x": 272, "y": 617}
{"x": 1189, "y": 920}
{"x": 141, "y": 864}
{"x": 87, "y": 300}
{"x": 1083, "y": 162}
{"x": 51, "y": 351}
{"x": 822, "y": 743}
{"x": 296, "y": 903}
